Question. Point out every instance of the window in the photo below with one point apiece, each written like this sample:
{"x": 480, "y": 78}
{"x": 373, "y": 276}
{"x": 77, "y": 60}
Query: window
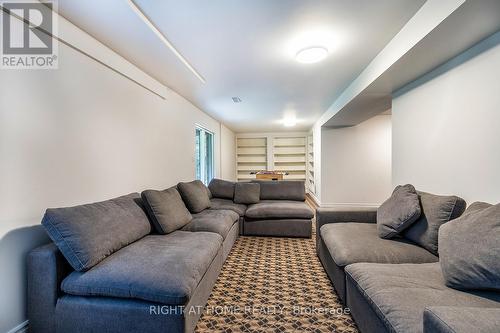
{"x": 204, "y": 155}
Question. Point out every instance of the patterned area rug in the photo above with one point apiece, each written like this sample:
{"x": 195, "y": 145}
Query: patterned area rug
{"x": 274, "y": 285}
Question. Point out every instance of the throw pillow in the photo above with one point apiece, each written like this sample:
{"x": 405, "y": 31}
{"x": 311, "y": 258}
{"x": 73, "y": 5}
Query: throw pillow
{"x": 221, "y": 188}
{"x": 436, "y": 211}
{"x": 469, "y": 249}
{"x": 166, "y": 209}
{"x": 247, "y": 193}
{"x": 87, "y": 234}
{"x": 195, "y": 195}
{"x": 398, "y": 212}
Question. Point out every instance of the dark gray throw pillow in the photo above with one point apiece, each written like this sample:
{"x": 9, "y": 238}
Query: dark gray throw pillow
{"x": 398, "y": 212}
{"x": 221, "y": 188}
{"x": 87, "y": 234}
{"x": 166, "y": 209}
{"x": 436, "y": 211}
{"x": 247, "y": 193}
{"x": 469, "y": 249}
{"x": 195, "y": 195}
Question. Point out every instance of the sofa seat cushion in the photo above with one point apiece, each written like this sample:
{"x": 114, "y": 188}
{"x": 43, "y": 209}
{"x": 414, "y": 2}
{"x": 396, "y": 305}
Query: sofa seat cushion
{"x": 158, "y": 268}
{"x": 350, "y": 243}
{"x": 279, "y": 209}
{"x": 217, "y": 203}
{"x": 210, "y": 220}
{"x": 455, "y": 319}
{"x": 398, "y": 294}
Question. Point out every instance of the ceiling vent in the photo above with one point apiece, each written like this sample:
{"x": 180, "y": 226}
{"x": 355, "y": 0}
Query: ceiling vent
{"x": 236, "y": 99}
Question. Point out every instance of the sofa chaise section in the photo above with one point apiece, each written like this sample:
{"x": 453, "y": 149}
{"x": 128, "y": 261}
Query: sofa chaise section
{"x": 195, "y": 271}
{"x": 166, "y": 271}
{"x": 393, "y": 297}
{"x": 346, "y": 237}
{"x": 281, "y": 211}
{"x": 158, "y": 268}
{"x": 279, "y": 218}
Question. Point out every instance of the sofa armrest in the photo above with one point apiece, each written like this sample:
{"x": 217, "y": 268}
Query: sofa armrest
{"x": 47, "y": 267}
{"x": 454, "y": 319}
{"x": 335, "y": 215}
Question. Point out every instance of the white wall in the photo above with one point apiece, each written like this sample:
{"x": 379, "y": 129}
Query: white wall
{"x": 356, "y": 164}
{"x": 446, "y": 127}
{"x": 427, "y": 18}
{"x": 228, "y": 158}
{"x": 80, "y": 134}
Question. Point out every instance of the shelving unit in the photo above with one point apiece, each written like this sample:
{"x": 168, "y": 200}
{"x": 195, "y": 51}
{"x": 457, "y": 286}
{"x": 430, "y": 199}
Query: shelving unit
{"x": 289, "y": 155}
{"x": 310, "y": 183}
{"x": 251, "y": 157}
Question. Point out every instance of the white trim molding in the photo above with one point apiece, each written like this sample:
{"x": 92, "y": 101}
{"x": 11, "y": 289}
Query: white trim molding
{"x": 21, "y": 328}
{"x": 314, "y": 198}
{"x": 80, "y": 41}
{"x": 349, "y": 205}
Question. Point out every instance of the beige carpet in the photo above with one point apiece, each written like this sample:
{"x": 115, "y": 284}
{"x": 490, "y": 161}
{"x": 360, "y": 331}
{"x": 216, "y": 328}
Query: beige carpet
{"x": 274, "y": 285}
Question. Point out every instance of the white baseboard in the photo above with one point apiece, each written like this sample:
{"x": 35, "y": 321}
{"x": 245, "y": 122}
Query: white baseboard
{"x": 21, "y": 328}
{"x": 314, "y": 198}
{"x": 350, "y": 205}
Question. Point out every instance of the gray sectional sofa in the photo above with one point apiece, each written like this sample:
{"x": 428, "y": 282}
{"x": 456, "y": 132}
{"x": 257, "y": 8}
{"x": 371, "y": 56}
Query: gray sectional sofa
{"x": 279, "y": 210}
{"x": 401, "y": 284}
{"x": 147, "y": 262}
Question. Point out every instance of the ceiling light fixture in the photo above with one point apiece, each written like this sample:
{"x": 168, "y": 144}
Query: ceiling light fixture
{"x": 164, "y": 39}
{"x": 290, "y": 122}
{"x": 311, "y": 55}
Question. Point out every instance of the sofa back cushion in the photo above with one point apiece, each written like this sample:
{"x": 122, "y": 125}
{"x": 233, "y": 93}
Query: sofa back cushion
{"x": 87, "y": 234}
{"x": 221, "y": 188}
{"x": 166, "y": 209}
{"x": 195, "y": 195}
{"x": 398, "y": 212}
{"x": 247, "y": 193}
{"x": 282, "y": 190}
{"x": 436, "y": 211}
{"x": 469, "y": 249}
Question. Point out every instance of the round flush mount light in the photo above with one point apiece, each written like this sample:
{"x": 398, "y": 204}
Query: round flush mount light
{"x": 289, "y": 121}
{"x": 311, "y": 55}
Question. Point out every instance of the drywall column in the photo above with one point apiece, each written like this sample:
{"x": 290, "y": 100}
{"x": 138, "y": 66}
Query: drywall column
{"x": 356, "y": 164}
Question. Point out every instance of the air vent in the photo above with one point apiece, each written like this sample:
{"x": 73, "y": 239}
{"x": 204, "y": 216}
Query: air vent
{"x": 236, "y": 99}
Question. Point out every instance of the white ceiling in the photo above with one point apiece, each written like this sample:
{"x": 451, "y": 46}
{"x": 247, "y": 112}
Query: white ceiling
{"x": 246, "y": 49}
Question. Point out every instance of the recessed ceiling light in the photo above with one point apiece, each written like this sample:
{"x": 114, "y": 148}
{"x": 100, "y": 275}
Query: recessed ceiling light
{"x": 311, "y": 55}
